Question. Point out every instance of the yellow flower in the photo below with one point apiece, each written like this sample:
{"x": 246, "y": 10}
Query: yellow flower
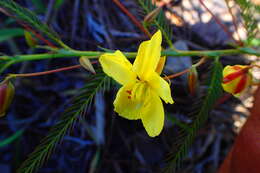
{"x": 236, "y": 79}
{"x": 143, "y": 88}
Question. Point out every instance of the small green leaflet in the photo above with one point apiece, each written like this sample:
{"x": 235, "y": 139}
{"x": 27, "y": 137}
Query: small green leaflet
{"x": 6, "y": 34}
{"x": 11, "y": 139}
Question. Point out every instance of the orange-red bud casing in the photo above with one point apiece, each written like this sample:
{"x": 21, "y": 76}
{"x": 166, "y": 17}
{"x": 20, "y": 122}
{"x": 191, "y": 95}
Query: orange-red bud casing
{"x": 7, "y": 91}
{"x": 192, "y": 80}
{"x": 236, "y": 79}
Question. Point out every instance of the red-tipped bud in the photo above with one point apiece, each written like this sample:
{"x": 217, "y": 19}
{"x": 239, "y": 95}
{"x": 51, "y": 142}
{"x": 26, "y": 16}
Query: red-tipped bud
{"x": 193, "y": 80}
{"x": 149, "y": 18}
{"x": 160, "y": 65}
{"x": 32, "y": 42}
{"x": 7, "y": 91}
{"x": 236, "y": 79}
{"x": 85, "y": 62}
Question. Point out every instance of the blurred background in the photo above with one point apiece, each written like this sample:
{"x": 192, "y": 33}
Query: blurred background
{"x": 101, "y": 141}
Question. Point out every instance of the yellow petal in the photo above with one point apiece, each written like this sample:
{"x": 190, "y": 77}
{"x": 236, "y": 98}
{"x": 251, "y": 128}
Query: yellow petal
{"x": 153, "y": 115}
{"x": 161, "y": 87}
{"x": 125, "y": 104}
{"x": 148, "y": 56}
{"x": 160, "y": 65}
{"x": 118, "y": 67}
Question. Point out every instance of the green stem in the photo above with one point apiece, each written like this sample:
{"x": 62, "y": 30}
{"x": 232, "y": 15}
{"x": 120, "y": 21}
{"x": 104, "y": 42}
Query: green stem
{"x": 210, "y": 53}
{"x": 94, "y": 54}
{"x": 63, "y": 45}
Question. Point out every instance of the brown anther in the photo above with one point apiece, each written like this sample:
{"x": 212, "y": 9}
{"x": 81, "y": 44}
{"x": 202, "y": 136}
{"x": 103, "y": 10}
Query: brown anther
{"x": 129, "y": 92}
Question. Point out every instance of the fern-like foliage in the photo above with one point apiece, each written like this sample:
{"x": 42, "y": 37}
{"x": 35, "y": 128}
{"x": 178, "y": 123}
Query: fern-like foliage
{"x": 187, "y": 136}
{"x": 26, "y": 18}
{"x": 57, "y": 132}
{"x": 250, "y": 13}
{"x": 160, "y": 21}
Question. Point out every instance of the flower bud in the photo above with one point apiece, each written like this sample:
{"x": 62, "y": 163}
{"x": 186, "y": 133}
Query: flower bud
{"x": 32, "y": 42}
{"x": 85, "y": 62}
{"x": 160, "y": 65}
{"x": 192, "y": 80}
{"x": 236, "y": 79}
{"x": 149, "y": 18}
{"x": 7, "y": 91}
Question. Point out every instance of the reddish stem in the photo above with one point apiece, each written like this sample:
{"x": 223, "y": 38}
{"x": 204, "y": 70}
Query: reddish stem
{"x": 234, "y": 21}
{"x": 46, "y": 72}
{"x": 177, "y": 74}
{"x": 28, "y": 28}
{"x": 201, "y": 61}
{"x": 132, "y": 18}
{"x": 223, "y": 99}
{"x": 255, "y": 65}
{"x": 39, "y": 36}
{"x": 220, "y": 23}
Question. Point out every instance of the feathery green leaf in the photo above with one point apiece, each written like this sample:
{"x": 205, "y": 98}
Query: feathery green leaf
{"x": 11, "y": 139}
{"x": 27, "y": 18}
{"x": 57, "y": 132}
{"x": 213, "y": 93}
{"x": 160, "y": 21}
{"x": 250, "y": 14}
{"x": 9, "y": 33}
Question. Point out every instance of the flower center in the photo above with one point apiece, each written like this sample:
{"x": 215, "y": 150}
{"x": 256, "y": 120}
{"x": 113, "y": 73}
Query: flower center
{"x": 139, "y": 92}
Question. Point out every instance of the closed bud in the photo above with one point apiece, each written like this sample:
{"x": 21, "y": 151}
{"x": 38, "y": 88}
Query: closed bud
{"x": 85, "y": 62}
{"x": 32, "y": 42}
{"x": 160, "y": 65}
{"x": 149, "y": 18}
{"x": 236, "y": 79}
{"x": 192, "y": 80}
{"x": 7, "y": 91}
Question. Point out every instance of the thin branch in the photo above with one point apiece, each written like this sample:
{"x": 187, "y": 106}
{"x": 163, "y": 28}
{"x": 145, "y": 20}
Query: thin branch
{"x": 45, "y": 72}
{"x": 220, "y": 23}
{"x": 234, "y": 20}
{"x": 201, "y": 61}
{"x": 177, "y": 74}
{"x": 39, "y": 36}
{"x": 132, "y": 18}
{"x": 28, "y": 28}
{"x": 68, "y": 53}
